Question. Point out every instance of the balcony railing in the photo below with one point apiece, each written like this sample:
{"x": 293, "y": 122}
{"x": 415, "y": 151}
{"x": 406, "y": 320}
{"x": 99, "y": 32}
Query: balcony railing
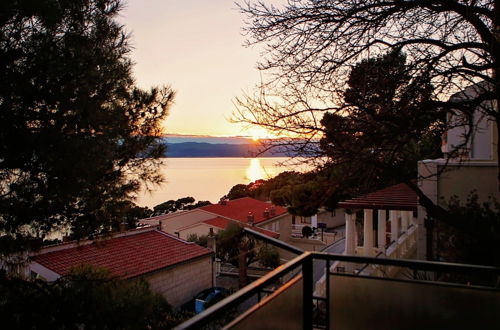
{"x": 326, "y": 237}
{"x": 420, "y": 295}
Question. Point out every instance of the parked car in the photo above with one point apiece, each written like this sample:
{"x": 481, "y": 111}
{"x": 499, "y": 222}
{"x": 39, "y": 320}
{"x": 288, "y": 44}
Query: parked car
{"x": 207, "y": 298}
{"x": 204, "y": 299}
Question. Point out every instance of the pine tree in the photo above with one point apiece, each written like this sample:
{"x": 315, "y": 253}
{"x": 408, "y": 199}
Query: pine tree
{"x": 77, "y": 137}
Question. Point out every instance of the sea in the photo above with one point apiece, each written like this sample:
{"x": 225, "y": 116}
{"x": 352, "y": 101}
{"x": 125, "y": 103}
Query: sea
{"x": 211, "y": 178}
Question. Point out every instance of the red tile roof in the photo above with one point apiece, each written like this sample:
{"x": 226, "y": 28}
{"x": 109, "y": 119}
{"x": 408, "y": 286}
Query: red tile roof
{"x": 398, "y": 197}
{"x": 126, "y": 256}
{"x": 218, "y": 222}
{"x": 223, "y": 222}
{"x": 239, "y": 209}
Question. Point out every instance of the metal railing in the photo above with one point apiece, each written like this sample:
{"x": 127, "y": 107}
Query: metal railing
{"x": 304, "y": 263}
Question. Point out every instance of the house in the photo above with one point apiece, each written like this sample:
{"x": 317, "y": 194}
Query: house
{"x": 265, "y": 217}
{"x": 246, "y": 211}
{"x": 471, "y": 165}
{"x": 394, "y": 222}
{"x": 173, "y": 267}
{"x": 218, "y": 224}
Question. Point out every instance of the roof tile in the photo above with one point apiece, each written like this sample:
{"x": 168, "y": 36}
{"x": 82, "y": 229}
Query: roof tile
{"x": 239, "y": 209}
{"x": 223, "y": 222}
{"x": 126, "y": 256}
{"x": 397, "y": 197}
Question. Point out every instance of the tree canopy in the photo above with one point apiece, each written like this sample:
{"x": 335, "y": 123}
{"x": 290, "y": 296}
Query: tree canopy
{"x": 311, "y": 47}
{"x": 475, "y": 233}
{"x": 77, "y": 137}
{"x": 386, "y": 125}
{"x": 87, "y": 298}
{"x": 181, "y": 204}
{"x": 302, "y": 193}
{"x": 229, "y": 242}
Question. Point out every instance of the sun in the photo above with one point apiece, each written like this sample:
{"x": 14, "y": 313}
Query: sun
{"x": 255, "y": 138}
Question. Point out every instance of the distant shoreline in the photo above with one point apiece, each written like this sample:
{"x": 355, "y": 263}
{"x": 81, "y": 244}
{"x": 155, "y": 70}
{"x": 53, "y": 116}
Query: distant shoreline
{"x": 219, "y": 150}
{"x": 249, "y": 157}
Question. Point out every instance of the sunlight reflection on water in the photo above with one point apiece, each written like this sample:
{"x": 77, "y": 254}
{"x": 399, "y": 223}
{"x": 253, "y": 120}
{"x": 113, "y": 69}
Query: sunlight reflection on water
{"x": 255, "y": 171}
{"x": 208, "y": 178}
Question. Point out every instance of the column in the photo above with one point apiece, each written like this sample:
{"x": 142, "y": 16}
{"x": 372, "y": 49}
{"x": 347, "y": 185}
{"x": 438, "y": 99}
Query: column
{"x": 381, "y": 229}
{"x": 428, "y": 183}
{"x": 368, "y": 232}
{"x": 393, "y": 216}
{"x": 350, "y": 233}
{"x": 314, "y": 221}
{"x": 413, "y": 220}
{"x": 404, "y": 221}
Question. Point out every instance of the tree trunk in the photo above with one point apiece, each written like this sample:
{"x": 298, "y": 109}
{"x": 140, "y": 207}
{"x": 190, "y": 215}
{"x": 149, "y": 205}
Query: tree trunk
{"x": 242, "y": 265}
{"x": 496, "y": 76}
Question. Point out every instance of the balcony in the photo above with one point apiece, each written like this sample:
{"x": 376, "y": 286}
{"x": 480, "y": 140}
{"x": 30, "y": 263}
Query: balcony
{"x": 400, "y": 294}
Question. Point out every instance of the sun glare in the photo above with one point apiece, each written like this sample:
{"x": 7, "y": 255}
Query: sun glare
{"x": 255, "y": 171}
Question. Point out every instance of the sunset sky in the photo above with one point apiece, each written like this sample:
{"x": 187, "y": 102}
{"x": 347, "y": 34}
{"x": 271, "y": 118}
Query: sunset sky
{"x": 196, "y": 47}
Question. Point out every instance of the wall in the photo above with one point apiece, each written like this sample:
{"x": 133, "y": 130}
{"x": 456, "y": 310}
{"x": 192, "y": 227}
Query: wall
{"x": 285, "y": 223}
{"x": 457, "y": 179}
{"x": 199, "y": 229}
{"x": 332, "y": 221}
{"x": 308, "y": 244}
{"x": 180, "y": 283}
{"x": 376, "y": 303}
{"x": 460, "y": 181}
{"x": 183, "y": 219}
{"x": 281, "y": 310}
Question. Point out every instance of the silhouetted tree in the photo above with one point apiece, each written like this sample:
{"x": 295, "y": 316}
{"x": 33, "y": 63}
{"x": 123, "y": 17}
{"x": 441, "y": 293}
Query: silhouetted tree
{"x": 302, "y": 193}
{"x": 237, "y": 191}
{"x": 181, "y": 204}
{"x": 310, "y": 47}
{"x": 386, "y": 125}
{"x": 236, "y": 247}
{"x": 475, "y": 234}
{"x": 77, "y": 137}
{"x": 196, "y": 205}
{"x": 86, "y": 298}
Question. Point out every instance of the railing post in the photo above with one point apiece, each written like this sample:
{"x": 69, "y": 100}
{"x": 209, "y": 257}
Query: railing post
{"x": 307, "y": 296}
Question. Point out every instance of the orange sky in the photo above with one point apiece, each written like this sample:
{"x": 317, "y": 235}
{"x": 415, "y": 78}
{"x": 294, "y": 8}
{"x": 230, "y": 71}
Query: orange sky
{"x": 196, "y": 47}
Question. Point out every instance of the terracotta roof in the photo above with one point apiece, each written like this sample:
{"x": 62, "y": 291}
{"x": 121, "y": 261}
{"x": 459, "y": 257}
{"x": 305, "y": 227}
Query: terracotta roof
{"x": 398, "y": 197}
{"x": 126, "y": 256}
{"x": 223, "y": 222}
{"x": 238, "y": 209}
{"x": 218, "y": 222}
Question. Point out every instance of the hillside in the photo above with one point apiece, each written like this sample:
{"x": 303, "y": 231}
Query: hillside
{"x": 204, "y": 149}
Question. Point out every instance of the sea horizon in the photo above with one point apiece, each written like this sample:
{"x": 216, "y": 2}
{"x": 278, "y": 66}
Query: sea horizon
{"x": 210, "y": 178}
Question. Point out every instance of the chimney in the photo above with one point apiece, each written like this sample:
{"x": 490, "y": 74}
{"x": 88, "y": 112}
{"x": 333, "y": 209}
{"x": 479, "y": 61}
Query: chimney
{"x": 266, "y": 213}
{"x": 160, "y": 224}
{"x": 211, "y": 244}
{"x": 123, "y": 226}
{"x": 250, "y": 218}
{"x": 223, "y": 201}
{"x": 273, "y": 211}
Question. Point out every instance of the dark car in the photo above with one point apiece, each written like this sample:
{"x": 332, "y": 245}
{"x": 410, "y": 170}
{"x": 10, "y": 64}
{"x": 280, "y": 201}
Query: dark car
{"x": 204, "y": 299}
{"x": 208, "y": 297}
